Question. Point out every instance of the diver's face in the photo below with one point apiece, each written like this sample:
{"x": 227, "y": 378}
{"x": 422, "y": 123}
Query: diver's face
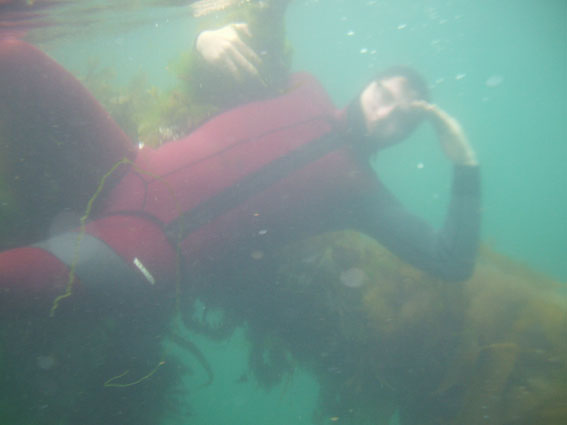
{"x": 387, "y": 109}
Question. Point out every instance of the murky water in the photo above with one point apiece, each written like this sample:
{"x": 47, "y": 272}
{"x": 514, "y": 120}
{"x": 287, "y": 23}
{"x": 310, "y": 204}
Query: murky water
{"x": 499, "y": 67}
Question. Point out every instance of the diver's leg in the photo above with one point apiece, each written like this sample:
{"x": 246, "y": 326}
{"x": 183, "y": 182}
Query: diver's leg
{"x": 56, "y": 141}
{"x": 31, "y": 279}
{"x": 114, "y": 258}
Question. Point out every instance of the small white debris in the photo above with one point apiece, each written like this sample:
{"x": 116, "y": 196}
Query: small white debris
{"x": 353, "y": 277}
{"x": 144, "y": 271}
{"x": 494, "y": 81}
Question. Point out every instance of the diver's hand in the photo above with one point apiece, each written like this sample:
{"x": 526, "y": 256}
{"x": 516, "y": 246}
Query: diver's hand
{"x": 225, "y": 49}
{"x": 450, "y": 133}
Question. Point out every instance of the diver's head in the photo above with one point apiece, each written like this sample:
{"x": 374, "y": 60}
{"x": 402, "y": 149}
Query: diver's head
{"x": 383, "y": 112}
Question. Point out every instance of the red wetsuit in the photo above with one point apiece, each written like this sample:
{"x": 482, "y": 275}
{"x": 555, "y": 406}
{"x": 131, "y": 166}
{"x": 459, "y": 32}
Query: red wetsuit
{"x": 248, "y": 177}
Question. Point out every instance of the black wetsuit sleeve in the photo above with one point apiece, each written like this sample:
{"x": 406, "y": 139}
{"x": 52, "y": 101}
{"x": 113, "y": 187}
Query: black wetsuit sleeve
{"x": 448, "y": 253}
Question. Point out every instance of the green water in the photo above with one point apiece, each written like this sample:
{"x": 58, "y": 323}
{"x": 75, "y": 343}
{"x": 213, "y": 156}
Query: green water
{"x": 499, "y": 66}
{"x": 234, "y": 396}
{"x": 517, "y": 126}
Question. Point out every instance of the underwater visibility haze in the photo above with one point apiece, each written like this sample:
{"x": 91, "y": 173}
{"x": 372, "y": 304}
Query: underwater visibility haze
{"x": 330, "y": 328}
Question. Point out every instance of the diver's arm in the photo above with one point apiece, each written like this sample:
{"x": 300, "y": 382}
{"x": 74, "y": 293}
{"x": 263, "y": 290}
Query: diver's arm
{"x": 449, "y": 252}
{"x": 450, "y": 133}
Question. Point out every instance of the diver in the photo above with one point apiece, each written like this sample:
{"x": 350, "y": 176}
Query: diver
{"x": 245, "y": 182}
